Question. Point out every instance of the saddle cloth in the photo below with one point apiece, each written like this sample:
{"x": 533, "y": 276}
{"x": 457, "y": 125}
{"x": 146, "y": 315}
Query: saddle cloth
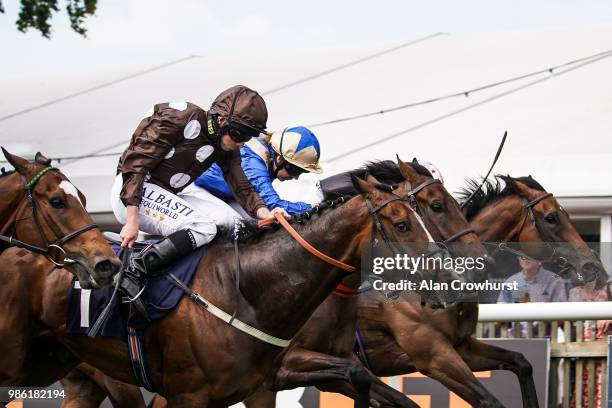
{"x": 160, "y": 297}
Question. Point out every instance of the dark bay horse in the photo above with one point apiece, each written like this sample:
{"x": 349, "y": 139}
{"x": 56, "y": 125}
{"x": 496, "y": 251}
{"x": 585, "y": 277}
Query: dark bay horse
{"x": 198, "y": 360}
{"x": 321, "y": 352}
{"x": 40, "y": 207}
{"x": 320, "y": 355}
{"x": 441, "y": 343}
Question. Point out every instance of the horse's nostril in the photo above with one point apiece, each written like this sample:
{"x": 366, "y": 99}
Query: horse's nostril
{"x": 106, "y": 268}
{"x": 590, "y": 271}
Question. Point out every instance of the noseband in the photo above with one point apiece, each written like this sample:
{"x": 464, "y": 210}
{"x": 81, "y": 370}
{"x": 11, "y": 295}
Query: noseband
{"x": 559, "y": 260}
{"x": 61, "y": 241}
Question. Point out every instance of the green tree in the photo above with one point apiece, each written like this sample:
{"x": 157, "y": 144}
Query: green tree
{"x": 37, "y": 13}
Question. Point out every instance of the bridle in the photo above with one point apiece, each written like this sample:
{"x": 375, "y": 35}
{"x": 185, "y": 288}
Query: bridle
{"x": 559, "y": 260}
{"x": 61, "y": 241}
{"x": 411, "y": 197}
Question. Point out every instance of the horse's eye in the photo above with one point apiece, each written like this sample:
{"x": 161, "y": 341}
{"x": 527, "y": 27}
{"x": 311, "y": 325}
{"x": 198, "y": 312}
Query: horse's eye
{"x": 436, "y": 207}
{"x": 57, "y": 202}
{"x": 551, "y": 218}
{"x": 401, "y": 226}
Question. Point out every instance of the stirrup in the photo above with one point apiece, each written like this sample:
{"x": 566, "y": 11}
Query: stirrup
{"x": 135, "y": 300}
{"x": 127, "y": 299}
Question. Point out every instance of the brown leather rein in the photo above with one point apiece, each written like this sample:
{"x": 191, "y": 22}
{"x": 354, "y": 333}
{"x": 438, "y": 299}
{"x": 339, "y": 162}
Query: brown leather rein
{"x": 280, "y": 219}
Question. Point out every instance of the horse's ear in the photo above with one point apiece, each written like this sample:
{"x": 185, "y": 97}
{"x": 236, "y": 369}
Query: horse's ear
{"x": 407, "y": 171}
{"x": 19, "y": 163}
{"x": 520, "y": 188}
{"x": 40, "y": 158}
{"x": 362, "y": 186}
{"x": 371, "y": 179}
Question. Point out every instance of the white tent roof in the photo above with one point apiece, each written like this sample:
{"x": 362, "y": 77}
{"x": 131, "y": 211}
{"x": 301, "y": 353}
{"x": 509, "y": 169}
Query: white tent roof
{"x": 560, "y": 129}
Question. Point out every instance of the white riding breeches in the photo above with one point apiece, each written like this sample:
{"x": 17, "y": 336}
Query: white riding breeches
{"x": 162, "y": 212}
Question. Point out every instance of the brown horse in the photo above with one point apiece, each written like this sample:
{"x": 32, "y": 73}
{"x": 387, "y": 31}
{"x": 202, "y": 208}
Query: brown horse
{"x": 43, "y": 210}
{"x": 321, "y": 353}
{"x": 39, "y": 205}
{"x": 441, "y": 343}
{"x": 331, "y": 330}
{"x": 210, "y": 363}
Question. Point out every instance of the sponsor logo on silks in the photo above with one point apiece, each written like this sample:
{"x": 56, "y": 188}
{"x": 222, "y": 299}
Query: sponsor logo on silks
{"x": 211, "y": 128}
{"x": 154, "y": 214}
{"x": 160, "y": 207}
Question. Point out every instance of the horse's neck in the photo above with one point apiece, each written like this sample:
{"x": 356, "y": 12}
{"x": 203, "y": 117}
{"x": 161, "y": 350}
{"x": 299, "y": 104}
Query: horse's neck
{"x": 295, "y": 281}
{"x": 498, "y": 222}
{"x": 9, "y": 201}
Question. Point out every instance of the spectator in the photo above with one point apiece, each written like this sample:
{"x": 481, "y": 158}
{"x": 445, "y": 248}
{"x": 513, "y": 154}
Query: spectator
{"x": 535, "y": 284}
{"x": 588, "y": 293}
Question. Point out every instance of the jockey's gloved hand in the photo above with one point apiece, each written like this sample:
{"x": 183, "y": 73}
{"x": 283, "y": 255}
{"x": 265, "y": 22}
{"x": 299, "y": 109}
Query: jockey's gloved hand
{"x": 282, "y": 211}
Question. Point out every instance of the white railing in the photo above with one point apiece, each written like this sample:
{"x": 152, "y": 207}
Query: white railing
{"x": 568, "y": 325}
{"x": 530, "y": 312}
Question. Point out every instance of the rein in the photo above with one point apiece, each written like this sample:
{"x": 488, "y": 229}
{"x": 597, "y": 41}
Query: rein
{"x": 59, "y": 244}
{"x": 280, "y": 219}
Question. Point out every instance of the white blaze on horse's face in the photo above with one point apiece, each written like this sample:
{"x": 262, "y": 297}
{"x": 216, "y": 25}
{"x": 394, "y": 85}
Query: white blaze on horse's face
{"x": 70, "y": 189}
{"x": 420, "y": 220}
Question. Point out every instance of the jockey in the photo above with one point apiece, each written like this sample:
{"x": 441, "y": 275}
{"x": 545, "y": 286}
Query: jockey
{"x": 283, "y": 155}
{"x": 173, "y": 145}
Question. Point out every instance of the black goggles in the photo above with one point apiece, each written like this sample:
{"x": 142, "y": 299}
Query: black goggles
{"x": 293, "y": 170}
{"x": 240, "y": 133}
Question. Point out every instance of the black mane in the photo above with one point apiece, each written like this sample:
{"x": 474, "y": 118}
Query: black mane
{"x": 387, "y": 171}
{"x": 491, "y": 191}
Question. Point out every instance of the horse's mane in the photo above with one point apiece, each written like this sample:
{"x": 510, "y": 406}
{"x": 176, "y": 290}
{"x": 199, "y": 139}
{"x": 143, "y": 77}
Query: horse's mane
{"x": 387, "y": 171}
{"x": 250, "y": 233}
{"x": 492, "y": 190}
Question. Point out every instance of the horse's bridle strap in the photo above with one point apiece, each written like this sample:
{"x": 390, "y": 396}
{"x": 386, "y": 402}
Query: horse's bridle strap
{"x": 422, "y": 186}
{"x": 537, "y": 200}
{"x": 459, "y": 235}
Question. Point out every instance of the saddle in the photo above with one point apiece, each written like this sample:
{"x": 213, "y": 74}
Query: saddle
{"x": 158, "y": 296}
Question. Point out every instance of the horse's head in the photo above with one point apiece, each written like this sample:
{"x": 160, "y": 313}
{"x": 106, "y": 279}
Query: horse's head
{"x": 524, "y": 212}
{"x": 400, "y": 230}
{"x": 395, "y": 222}
{"x": 52, "y": 216}
{"x": 442, "y": 215}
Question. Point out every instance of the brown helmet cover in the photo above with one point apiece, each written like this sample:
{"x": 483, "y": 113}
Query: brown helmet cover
{"x": 249, "y": 107}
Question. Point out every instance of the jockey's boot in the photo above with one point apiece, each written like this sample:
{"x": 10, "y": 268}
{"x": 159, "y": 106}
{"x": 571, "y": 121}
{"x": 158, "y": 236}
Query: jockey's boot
{"x": 152, "y": 261}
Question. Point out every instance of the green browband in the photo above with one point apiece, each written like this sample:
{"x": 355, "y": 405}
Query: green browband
{"x": 30, "y": 184}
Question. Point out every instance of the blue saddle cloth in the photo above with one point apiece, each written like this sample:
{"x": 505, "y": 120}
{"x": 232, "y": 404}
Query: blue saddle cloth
{"x": 160, "y": 297}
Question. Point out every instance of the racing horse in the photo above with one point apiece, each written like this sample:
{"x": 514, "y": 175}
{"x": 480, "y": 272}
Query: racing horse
{"x": 322, "y": 349}
{"x": 213, "y": 364}
{"x": 44, "y": 213}
{"x": 441, "y": 343}
{"x": 314, "y": 357}
{"x": 304, "y": 364}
